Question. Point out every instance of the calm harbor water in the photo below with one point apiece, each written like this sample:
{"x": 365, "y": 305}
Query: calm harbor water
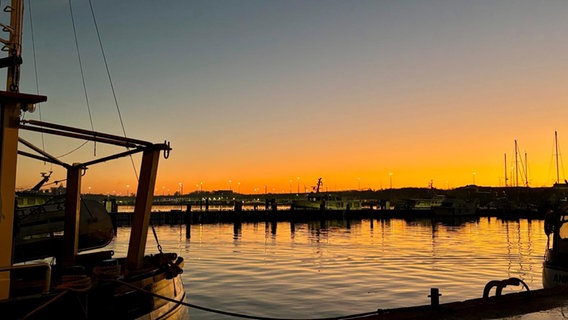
{"x": 337, "y": 268}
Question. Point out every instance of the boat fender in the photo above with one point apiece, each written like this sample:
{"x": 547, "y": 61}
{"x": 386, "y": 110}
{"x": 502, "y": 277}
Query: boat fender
{"x": 549, "y": 222}
{"x": 174, "y": 269}
{"x": 179, "y": 261}
{"x": 500, "y": 284}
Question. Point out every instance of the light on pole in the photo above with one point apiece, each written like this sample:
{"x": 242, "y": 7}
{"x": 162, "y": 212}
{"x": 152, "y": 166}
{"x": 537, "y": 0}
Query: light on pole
{"x": 390, "y": 179}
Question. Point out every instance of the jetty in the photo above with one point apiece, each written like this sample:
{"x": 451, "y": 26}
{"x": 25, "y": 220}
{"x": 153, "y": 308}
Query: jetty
{"x": 229, "y": 207}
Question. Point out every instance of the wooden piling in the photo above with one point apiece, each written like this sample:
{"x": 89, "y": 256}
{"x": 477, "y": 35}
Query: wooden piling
{"x": 188, "y": 217}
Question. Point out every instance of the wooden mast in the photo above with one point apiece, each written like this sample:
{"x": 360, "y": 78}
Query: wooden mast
{"x": 11, "y": 105}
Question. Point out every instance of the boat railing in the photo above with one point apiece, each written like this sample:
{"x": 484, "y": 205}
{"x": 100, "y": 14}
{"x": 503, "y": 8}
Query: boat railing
{"x": 39, "y": 282}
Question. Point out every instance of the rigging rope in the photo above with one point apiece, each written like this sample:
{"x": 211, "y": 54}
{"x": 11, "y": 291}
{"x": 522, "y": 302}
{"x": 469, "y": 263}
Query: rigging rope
{"x": 156, "y": 237}
{"x": 36, "y": 74}
{"x": 82, "y": 73}
{"x": 239, "y": 315}
{"x": 70, "y": 152}
{"x": 110, "y": 81}
{"x": 43, "y": 306}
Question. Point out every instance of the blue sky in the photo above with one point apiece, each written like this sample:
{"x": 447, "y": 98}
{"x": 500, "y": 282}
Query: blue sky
{"x": 264, "y": 92}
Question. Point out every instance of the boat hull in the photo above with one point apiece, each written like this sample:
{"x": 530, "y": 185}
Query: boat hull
{"x": 326, "y": 205}
{"x": 39, "y": 228}
{"x": 553, "y": 276}
{"x": 454, "y": 208}
{"x": 156, "y": 293}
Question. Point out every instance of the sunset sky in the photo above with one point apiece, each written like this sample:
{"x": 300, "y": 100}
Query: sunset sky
{"x": 270, "y": 95}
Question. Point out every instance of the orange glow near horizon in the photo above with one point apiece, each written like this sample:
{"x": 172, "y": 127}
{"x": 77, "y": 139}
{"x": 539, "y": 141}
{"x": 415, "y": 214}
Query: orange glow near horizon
{"x": 429, "y": 163}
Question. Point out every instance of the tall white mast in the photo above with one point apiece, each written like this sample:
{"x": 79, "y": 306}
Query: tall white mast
{"x": 556, "y": 155}
{"x": 516, "y": 166}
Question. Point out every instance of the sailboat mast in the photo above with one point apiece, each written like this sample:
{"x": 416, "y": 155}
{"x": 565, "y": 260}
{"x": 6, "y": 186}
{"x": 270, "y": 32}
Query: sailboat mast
{"x": 506, "y": 170}
{"x": 526, "y": 170}
{"x": 516, "y": 166}
{"x": 556, "y": 154}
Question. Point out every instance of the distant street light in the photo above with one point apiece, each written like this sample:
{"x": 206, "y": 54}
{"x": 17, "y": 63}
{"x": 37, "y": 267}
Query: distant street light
{"x": 390, "y": 178}
{"x": 473, "y": 173}
{"x": 298, "y": 178}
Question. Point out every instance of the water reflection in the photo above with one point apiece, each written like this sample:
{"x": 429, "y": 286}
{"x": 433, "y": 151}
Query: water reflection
{"x": 237, "y": 230}
{"x": 303, "y": 269}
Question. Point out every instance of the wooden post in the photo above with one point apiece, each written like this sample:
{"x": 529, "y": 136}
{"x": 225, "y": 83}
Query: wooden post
{"x": 9, "y": 119}
{"x": 142, "y": 208}
{"x": 8, "y": 155}
{"x": 72, "y": 216}
{"x": 187, "y": 216}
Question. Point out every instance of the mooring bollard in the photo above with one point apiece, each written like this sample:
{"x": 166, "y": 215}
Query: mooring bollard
{"x": 434, "y": 297}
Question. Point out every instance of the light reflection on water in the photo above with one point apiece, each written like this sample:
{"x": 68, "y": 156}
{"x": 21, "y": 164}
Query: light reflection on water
{"x": 334, "y": 268}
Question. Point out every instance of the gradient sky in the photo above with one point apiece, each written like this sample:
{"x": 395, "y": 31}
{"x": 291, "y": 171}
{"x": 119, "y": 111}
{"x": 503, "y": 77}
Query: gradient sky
{"x": 271, "y": 95}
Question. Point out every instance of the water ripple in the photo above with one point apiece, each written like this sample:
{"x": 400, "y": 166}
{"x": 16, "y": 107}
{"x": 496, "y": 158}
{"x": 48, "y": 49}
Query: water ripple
{"x": 326, "y": 269}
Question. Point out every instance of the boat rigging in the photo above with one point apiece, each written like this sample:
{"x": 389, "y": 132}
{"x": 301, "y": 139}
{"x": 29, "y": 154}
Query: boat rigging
{"x": 84, "y": 284}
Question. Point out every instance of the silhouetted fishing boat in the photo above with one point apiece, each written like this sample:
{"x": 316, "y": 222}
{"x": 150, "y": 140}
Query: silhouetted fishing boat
{"x": 454, "y": 207}
{"x": 317, "y": 200}
{"x": 90, "y": 285}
